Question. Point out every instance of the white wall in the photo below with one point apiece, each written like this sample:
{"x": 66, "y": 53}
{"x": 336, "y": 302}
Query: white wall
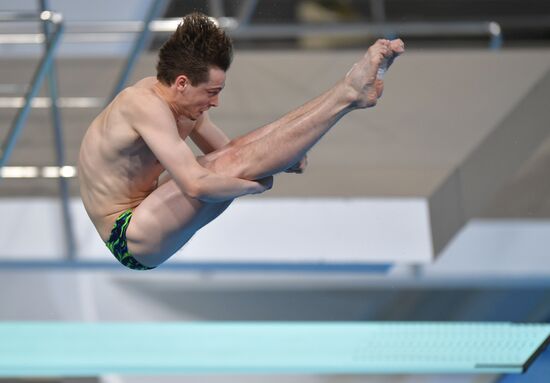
{"x": 315, "y": 231}
{"x": 255, "y": 230}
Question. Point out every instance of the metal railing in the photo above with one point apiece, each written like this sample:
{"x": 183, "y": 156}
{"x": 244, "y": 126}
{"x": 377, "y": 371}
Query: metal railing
{"x": 115, "y": 31}
{"x": 53, "y": 27}
{"x": 41, "y": 72}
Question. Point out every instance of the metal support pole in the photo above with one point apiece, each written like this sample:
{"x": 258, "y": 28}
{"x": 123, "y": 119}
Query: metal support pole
{"x": 247, "y": 11}
{"x": 139, "y": 44}
{"x": 378, "y": 10}
{"x": 70, "y": 245}
{"x": 41, "y": 71}
{"x": 496, "y": 36}
{"x": 215, "y": 8}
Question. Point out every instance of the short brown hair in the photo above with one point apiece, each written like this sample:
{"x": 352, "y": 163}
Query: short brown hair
{"x": 196, "y": 45}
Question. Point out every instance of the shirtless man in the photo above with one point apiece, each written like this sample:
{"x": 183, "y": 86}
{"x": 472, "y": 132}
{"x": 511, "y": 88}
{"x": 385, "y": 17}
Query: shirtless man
{"x": 141, "y": 134}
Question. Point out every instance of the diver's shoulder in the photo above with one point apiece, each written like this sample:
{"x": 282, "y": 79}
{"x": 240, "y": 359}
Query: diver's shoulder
{"x": 137, "y": 97}
{"x": 146, "y": 82}
{"x": 136, "y": 91}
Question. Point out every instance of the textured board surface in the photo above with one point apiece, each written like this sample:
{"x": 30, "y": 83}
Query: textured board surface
{"x": 91, "y": 349}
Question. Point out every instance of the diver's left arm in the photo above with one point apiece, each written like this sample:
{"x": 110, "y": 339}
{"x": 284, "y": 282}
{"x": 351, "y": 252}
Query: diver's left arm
{"x": 207, "y": 136}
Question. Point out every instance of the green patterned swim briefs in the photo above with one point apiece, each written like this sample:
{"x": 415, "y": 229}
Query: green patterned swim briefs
{"x": 118, "y": 246}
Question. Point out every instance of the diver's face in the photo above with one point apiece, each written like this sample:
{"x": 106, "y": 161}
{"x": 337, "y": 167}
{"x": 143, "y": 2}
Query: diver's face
{"x": 198, "y": 99}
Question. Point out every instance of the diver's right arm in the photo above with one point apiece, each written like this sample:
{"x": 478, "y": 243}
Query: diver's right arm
{"x": 156, "y": 125}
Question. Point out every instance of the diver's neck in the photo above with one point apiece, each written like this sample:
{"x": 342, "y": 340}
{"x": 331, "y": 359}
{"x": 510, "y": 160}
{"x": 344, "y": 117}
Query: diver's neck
{"x": 168, "y": 94}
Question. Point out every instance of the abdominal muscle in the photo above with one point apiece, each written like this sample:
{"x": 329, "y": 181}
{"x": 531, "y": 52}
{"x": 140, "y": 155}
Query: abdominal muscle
{"x": 117, "y": 171}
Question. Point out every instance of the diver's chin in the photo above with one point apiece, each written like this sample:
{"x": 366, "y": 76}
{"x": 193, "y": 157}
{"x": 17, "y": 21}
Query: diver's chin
{"x": 193, "y": 116}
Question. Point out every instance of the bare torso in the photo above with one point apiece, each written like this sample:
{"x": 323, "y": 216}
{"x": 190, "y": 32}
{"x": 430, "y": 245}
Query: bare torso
{"x": 117, "y": 170}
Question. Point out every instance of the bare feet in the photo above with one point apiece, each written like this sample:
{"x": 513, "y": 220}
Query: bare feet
{"x": 366, "y": 76}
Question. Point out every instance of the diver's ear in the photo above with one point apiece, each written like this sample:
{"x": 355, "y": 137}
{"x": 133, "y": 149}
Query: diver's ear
{"x": 181, "y": 82}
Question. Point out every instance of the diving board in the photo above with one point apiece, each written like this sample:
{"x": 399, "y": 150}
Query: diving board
{"x": 90, "y": 349}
